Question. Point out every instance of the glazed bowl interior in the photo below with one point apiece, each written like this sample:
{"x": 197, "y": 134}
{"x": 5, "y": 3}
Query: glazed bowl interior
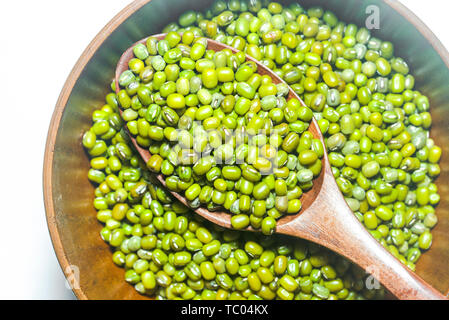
{"x": 69, "y": 195}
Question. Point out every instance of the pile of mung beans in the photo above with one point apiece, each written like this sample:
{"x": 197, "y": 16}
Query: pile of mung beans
{"x": 376, "y": 126}
{"x": 169, "y": 252}
{"x": 218, "y": 131}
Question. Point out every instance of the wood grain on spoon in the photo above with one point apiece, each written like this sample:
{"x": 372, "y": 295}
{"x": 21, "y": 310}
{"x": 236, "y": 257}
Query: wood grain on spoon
{"x": 325, "y": 218}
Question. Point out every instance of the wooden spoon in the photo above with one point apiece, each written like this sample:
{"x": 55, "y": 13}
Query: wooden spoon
{"x": 325, "y": 218}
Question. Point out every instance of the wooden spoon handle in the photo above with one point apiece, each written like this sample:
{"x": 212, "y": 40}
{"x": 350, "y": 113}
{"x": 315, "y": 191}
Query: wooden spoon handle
{"x": 330, "y": 222}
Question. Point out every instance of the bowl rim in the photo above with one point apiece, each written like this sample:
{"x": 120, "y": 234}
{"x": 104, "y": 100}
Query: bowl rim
{"x": 76, "y": 72}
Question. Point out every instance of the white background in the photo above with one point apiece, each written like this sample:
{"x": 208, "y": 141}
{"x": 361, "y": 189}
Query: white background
{"x": 40, "y": 41}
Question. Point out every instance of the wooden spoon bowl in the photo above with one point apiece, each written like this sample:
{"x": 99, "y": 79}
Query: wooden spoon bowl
{"x": 223, "y": 218}
{"x": 325, "y": 218}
